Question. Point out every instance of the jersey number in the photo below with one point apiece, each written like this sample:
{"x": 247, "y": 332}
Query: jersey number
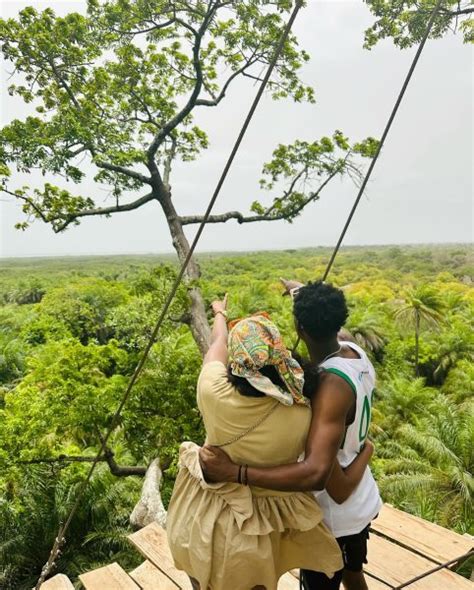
{"x": 364, "y": 420}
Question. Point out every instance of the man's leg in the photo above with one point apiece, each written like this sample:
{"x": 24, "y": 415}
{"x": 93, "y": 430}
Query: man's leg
{"x": 319, "y": 581}
{"x": 354, "y": 550}
{"x": 354, "y": 580}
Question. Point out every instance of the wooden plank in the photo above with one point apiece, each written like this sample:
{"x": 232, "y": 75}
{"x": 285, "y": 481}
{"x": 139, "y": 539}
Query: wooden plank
{"x": 288, "y": 582}
{"x": 148, "y": 577}
{"x": 395, "y": 565}
{"x": 109, "y": 576}
{"x": 431, "y": 540}
{"x": 58, "y": 582}
{"x": 374, "y": 584}
{"x": 152, "y": 543}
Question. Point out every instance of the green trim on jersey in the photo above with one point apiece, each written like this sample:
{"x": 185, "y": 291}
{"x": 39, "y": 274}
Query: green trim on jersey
{"x": 364, "y": 420}
{"x": 346, "y": 378}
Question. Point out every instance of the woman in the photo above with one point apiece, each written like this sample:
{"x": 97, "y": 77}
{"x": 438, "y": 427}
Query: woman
{"x": 231, "y": 536}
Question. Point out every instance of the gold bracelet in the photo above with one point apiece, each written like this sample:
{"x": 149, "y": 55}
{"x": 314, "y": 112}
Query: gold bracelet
{"x": 224, "y": 313}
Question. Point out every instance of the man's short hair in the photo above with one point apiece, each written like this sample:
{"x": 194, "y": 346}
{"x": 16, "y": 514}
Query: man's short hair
{"x": 320, "y": 309}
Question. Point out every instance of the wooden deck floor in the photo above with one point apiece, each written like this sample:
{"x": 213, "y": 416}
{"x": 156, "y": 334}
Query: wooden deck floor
{"x": 401, "y": 547}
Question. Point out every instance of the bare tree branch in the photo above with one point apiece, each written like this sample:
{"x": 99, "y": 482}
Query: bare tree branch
{"x": 108, "y": 457}
{"x": 78, "y": 151}
{"x": 169, "y": 162}
{"x": 123, "y": 170}
{"x": 59, "y": 459}
{"x": 459, "y": 12}
{"x": 179, "y": 117}
{"x": 154, "y": 27}
{"x": 287, "y": 193}
{"x": 63, "y": 83}
{"x": 217, "y": 100}
{"x": 267, "y": 216}
{"x": 104, "y": 211}
{"x": 60, "y": 223}
{"x": 30, "y": 202}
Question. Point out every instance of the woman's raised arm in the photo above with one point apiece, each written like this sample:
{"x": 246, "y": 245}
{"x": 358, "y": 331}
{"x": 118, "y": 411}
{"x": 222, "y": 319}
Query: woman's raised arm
{"x": 218, "y": 348}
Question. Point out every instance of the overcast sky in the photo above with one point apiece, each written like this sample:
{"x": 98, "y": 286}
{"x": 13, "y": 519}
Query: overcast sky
{"x": 421, "y": 189}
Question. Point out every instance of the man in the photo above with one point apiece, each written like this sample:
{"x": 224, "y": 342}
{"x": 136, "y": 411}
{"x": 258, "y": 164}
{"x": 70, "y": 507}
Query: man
{"x": 341, "y": 417}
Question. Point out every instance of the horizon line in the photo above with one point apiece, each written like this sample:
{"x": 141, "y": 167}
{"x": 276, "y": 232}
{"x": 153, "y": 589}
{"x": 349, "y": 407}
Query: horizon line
{"x": 250, "y": 251}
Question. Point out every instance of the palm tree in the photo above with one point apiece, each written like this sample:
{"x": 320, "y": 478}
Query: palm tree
{"x": 402, "y": 400}
{"x": 32, "y": 508}
{"x": 12, "y": 361}
{"x": 459, "y": 384}
{"x": 364, "y": 325}
{"x": 421, "y": 307}
{"x": 428, "y": 466}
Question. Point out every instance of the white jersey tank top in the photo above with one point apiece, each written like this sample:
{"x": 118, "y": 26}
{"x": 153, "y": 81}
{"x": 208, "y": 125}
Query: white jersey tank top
{"x": 364, "y": 504}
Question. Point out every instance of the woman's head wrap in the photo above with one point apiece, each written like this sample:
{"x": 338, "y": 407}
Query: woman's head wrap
{"x": 255, "y": 342}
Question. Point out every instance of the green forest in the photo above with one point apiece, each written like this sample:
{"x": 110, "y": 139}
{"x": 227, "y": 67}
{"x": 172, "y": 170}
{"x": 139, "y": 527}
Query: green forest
{"x": 71, "y": 332}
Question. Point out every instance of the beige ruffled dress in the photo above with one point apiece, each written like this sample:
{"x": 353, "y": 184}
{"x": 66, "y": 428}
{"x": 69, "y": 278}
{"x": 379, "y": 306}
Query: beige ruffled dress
{"x": 230, "y": 536}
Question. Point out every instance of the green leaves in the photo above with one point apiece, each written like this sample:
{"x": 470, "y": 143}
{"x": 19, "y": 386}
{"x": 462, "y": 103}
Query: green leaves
{"x": 406, "y": 21}
{"x": 367, "y": 148}
{"x": 431, "y": 463}
{"x": 69, "y": 339}
{"x": 422, "y": 305}
{"x": 69, "y": 391}
{"x": 118, "y": 88}
{"x": 51, "y": 205}
{"x": 302, "y": 170}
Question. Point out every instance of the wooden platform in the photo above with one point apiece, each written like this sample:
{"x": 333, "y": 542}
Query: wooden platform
{"x": 401, "y": 547}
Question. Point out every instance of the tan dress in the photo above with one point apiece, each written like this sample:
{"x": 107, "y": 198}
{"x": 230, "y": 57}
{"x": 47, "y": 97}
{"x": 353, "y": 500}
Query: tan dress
{"x": 230, "y": 536}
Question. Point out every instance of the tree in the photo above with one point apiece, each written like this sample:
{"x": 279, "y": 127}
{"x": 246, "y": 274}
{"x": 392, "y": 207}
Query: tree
{"x": 429, "y": 465}
{"x": 422, "y": 307}
{"x": 445, "y": 350}
{"x": 459, "y": 384}
{"x": 34, "y": 505}
{"x": 366, "y": 327}
{"x": 406, "y": 21}
{"x": 67, "y": 396}
{"x": 117, "y": 89}
{"x": 402, "y": 400}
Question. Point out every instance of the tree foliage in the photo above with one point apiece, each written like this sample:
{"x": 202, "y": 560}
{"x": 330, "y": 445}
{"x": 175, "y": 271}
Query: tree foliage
{"x": 65, "y": 361}
{"x": 406, "y": 21}
{"x": 118, "y": 87}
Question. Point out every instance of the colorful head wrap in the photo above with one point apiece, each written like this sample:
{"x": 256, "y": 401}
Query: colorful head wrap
{"x": 254, "y": 343}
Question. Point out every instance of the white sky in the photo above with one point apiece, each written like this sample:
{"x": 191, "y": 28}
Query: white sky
{"x": 421, "y": 189}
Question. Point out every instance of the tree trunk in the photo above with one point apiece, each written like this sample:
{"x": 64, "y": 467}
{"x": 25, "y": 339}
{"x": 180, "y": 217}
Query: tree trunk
{"x": 417, "y": 343}
{"x": 150, "y": 506}
{"x": 198, "y": 319}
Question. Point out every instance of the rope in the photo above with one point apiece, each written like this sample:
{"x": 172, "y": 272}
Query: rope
{"x": 457, "y": 560}
{"x": 435, "y": 569}
{"x": 379, "y": 148}
{"x": 384, "y": 136}
{"x": 60, "y": 539}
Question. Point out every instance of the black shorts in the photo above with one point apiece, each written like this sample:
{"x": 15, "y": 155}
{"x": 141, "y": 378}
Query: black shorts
{"x": 354, "y": 554}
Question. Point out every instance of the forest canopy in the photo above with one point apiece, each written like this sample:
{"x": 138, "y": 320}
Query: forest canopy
{"x": 71, "y": 334}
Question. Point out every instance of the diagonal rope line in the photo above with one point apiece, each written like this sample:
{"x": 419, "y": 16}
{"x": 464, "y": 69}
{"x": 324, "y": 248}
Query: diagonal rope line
{"x": 384, "y": 136}
{"x": 435, "y": 569}
{"x": 60, "y": 539}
